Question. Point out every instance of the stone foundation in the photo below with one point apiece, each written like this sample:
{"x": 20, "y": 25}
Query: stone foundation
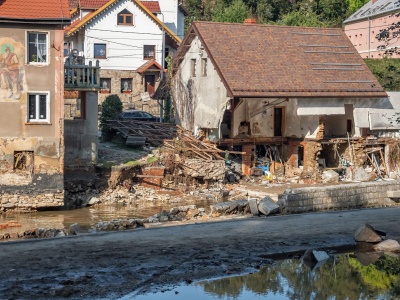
{"x": 30, "y": 201}
{"x": 345, "y": 196}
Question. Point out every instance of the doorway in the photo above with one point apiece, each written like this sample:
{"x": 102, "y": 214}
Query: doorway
{"x": 149, "y": 84}
{"x": 279, "y": 117}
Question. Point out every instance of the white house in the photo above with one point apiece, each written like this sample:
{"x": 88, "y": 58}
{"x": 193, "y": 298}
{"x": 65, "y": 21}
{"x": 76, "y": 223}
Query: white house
{"x": 303, "y": 94}
{"x": 131, "y": 39}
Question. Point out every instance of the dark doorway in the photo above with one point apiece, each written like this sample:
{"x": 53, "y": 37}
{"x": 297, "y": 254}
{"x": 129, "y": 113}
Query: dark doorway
{"x": 279, "y": 113}
{"x": 149, "y": 84}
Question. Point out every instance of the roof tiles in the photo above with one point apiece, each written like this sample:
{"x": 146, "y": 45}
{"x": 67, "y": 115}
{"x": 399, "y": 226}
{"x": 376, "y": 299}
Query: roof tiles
{"x": 88, "y": 4}
{"x": 271, "y": 61}
{"x": 34, "y": 9}
{"x": 152, "y": 6}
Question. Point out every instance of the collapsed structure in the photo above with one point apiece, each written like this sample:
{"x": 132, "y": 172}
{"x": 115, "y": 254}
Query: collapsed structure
{"x": 296, "y": 99}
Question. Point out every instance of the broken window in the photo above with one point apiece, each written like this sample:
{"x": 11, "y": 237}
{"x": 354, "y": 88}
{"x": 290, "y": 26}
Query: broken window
{"x": 193, "y": 67}
{"x": 204, "y": 67}
{"x": 23, "y": 161}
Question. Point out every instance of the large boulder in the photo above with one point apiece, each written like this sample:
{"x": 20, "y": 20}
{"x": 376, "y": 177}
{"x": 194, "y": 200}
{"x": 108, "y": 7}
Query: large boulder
{"x": 268, "y": 206}
{"x": 366, "y": 233}
{"x": 388, "y": 246}
{"x": 330, "y": 176}
{"x": 253, "y": 206}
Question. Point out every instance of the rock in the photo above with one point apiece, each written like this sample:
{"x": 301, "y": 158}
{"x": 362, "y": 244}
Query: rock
{"x": 253, "y": 206}
{"x": 75, "y": 229}
{"x": 314, "y": 255}
{"x": 268, "y": 206}
{"x": 93, "y": 201}
{"x": 361, "y": 175}
{"x": 60, "y": 233}
{"x": 330, "y": 176}
{"x": 367, "y": 258}
{"x": 388, "y": 245}
{"x": 366, "y": 233}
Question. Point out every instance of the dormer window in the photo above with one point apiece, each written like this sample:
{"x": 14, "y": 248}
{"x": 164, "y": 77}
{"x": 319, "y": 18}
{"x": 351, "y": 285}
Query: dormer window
{"x": 125, "y": 17}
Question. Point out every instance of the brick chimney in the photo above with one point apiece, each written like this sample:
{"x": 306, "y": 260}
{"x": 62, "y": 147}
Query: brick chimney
{"x": 250, "y": 21}
{"x": 373, "y": 1}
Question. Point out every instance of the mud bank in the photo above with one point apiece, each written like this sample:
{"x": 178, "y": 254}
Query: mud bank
{"x": 110, "y": 265}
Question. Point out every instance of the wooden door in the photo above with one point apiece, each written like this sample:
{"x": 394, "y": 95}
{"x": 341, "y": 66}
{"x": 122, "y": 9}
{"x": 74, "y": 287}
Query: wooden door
{"x": 150, "y": 81}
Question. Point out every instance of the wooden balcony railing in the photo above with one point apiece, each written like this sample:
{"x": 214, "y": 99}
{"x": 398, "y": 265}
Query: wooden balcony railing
{"x": 82, "y": 76}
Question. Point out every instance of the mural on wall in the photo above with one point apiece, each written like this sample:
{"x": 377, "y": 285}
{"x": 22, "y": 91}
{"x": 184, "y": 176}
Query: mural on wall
{"x": 11, "y": 69}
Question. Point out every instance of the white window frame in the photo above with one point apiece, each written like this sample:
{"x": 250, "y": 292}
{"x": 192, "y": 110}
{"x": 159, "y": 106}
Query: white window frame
{"x": 37, "y": 119}
{"x": 47, "y": 47}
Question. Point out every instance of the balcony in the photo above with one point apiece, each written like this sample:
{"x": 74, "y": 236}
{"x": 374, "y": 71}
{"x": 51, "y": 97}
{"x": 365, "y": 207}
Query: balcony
{"x": 81, "y": 76}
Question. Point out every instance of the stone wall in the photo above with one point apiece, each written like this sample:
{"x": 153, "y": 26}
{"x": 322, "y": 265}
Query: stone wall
{"x": 345, "y": 196}
{"x": 30, "y": 201}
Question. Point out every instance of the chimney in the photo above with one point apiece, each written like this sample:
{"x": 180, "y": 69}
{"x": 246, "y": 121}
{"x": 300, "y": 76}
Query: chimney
{"x": 250, "y": 21}
{"x": 373, "y": 1}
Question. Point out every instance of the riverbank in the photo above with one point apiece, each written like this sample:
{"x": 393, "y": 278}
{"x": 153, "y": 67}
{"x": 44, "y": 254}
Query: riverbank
{"x": 110, "y": 265}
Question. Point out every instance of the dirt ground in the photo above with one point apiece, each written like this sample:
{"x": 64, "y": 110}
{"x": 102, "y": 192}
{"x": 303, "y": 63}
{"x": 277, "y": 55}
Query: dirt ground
{"x": 111, "y": 265}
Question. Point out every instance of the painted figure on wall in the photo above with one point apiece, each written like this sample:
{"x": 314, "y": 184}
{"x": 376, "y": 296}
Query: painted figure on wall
{"x": 11, "y": 73}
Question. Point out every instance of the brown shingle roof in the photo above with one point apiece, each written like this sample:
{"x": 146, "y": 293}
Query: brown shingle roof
{"x": 281, "y": 61}
{"x": 34, "y": 9}
{"x": 149, "y": 65}
{"x": 88, "y": 4}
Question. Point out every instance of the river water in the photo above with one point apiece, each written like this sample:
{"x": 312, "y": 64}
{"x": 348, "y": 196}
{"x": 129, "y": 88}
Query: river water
{"x": 351, "y": 276}
{"x": 87, "y": 217}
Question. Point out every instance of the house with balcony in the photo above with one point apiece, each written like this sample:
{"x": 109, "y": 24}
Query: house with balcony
{"x": 32, "y": 103}
{"x": 294, "y": 97}
{"x": 366, "y": 24}
{"x": 130, "y": 39}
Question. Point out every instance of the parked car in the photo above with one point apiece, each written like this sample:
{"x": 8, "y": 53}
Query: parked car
{"x": 137, "y": 115}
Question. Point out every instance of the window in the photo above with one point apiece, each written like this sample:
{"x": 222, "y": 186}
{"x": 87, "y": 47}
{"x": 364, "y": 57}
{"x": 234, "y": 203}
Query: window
{"x": 193, "y": 67}
{"x": 125, "y": 18}
{"x": 100, "y": 51}
{"x": 38, "y": 107}
{"x": 37, "y": 47}
{"x": 204, "y": 67}
{"x": 126, "y": 85}
{"x": 105, "y": 85}
{"x": 149, "y": 52}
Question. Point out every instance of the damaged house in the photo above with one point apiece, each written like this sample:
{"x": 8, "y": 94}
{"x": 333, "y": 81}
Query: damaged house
{"x": 31, "y": 103}
{"x": 295, "y": 100}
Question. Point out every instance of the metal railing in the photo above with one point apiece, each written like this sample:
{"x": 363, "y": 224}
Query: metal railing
{"x": 82, "y": 76}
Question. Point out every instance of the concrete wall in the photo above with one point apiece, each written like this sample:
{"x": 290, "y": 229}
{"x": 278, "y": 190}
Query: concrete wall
{"x": 43, "y": 141}
{"x": 81, "y": 136}
{"x": 344, "y": 196}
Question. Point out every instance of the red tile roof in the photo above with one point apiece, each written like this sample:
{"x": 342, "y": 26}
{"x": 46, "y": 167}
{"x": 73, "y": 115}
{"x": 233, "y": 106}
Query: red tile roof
{"x": 34, "y": 9}
{"x": 149, "y": 65}
{"x": 282, "y": 61}
{"x": 152, "y": 6}
{"x": 88, "y": 4}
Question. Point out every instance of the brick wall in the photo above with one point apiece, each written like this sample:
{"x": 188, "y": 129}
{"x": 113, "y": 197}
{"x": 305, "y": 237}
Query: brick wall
{"x": 345, "y": 196}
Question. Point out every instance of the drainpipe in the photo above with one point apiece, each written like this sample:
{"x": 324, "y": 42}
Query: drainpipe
{"x": 162, "y": 47}
{"x": 369, "y": 37}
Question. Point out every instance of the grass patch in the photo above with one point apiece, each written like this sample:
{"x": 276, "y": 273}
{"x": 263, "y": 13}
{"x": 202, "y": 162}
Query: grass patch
{"x": 152, "y": 159}
{"x": 109, "y": 164}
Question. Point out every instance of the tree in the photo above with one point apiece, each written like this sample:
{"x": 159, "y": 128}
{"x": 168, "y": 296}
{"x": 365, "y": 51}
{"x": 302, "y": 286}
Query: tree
{"x": 236, "y": 12}
{"x": 389, "y": 36}
{"x": 110, "y": 110}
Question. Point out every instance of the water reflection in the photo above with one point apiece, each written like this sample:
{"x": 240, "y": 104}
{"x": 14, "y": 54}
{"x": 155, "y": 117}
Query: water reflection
{"x": 342, "y": 277}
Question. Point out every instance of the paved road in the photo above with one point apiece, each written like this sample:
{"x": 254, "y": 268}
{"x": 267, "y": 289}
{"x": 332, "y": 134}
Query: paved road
{"x": 110, "y": 265}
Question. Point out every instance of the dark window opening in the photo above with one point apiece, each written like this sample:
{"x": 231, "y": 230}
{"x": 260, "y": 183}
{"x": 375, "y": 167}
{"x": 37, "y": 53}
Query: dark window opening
{"x": 278, "y": 121}
{"x": 23, "y": 161}
{"x": 300, "y": 156}
{"x": 349, "y": 126}
{"x": 149, "y": 52}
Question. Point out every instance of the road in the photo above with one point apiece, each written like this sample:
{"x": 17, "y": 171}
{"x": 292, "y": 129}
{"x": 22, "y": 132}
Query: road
{"x": 110, "y": 265}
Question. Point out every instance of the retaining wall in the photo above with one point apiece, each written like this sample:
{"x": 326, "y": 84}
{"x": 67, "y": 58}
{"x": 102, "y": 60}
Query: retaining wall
{"x": 30, "y": 201}
{"x": 344, "y": 196}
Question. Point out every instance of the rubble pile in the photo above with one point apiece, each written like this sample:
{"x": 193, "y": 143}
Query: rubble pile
{"x": 36, "y": 233}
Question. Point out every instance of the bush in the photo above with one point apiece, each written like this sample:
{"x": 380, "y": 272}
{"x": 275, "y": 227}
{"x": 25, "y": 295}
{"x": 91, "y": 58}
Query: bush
{"x": 110, "y": 110}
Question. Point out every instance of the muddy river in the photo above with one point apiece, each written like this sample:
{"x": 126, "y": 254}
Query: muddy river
{"x": 87, "y": 217}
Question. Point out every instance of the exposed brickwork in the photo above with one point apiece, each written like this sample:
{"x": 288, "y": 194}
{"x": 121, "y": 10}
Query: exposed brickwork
{"x": 154, "y": 183}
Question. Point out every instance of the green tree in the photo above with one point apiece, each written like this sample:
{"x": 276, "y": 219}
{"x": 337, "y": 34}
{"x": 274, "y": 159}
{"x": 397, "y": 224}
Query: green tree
{"x": 355, "y": 5}
{"x": 110, "y": 109}
{"x": 387, "y": 71}
{"x": 236, "y": 12}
